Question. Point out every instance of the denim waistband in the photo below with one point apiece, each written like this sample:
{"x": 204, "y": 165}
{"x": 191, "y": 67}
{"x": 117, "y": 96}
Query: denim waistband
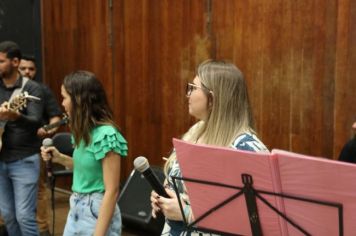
{"x": 87, "y": 196}
{"x": 80, "y": 195}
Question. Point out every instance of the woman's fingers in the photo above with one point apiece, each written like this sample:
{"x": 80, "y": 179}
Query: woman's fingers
{"x": 48, "y": 153}
{"x": 170, "y": 208}
{"x": 44, "y": 154}
{"x": 155, "y": 208}
{"x": 171, "y": 193}
{"x": 154, "y": 204}
{"x": 153, "y": 213}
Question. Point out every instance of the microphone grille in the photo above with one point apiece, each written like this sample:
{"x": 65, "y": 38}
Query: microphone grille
{"x": 47, "y": 142}
{"x": 141, "y": 164}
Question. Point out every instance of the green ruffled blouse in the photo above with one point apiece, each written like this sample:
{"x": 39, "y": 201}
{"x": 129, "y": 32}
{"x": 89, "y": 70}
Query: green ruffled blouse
{"x": 87, "y": 167}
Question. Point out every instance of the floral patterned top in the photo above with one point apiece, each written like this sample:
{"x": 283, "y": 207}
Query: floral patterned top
{"x": 246, "y": 141}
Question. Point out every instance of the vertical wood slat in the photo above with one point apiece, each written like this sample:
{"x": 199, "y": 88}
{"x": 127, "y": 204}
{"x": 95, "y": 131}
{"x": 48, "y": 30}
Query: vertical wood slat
{"x": 158, "y": 50}
{"x": 345, "y": 70}
{"x": 75, "y": 36}
{"x": 287, "y": 53}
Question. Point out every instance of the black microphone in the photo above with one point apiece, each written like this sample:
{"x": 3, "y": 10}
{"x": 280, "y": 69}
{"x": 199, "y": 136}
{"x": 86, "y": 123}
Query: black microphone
{"x": 142, "y": 166}
{"x": 48, "y": 142}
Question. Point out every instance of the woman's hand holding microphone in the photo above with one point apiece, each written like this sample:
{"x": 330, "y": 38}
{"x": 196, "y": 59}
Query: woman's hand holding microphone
{"x": 50, "y": 153}
{"x": 168, "y": 206}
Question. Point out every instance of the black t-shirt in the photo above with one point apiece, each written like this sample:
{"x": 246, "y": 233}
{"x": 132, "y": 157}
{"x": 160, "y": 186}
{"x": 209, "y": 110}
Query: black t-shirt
{"x": 20, "y": 137}
{"x": 51, "y": 107}
{"x": 348, "y": 152}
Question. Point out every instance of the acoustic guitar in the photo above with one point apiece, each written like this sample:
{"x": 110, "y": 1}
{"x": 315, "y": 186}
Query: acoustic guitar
{"x": 16, "y": 104}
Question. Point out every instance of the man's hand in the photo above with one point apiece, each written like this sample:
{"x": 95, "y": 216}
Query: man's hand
{"x": 42, "y": 133}
{"x": 7, "y": 114}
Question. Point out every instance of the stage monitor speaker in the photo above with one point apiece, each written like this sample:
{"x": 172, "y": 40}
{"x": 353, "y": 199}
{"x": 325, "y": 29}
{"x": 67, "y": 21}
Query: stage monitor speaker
{"x": 135, "y": 205}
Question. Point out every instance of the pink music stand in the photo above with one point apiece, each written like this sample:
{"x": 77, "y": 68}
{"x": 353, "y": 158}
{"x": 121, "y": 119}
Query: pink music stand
{"x": 291, "y": 194}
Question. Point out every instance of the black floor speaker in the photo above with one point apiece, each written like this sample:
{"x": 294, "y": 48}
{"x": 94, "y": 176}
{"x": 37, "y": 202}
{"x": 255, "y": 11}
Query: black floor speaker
{"x": 135, "y": 205}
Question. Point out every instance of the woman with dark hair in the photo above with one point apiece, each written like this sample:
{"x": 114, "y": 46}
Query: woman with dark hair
{"x": 98, "y": 148}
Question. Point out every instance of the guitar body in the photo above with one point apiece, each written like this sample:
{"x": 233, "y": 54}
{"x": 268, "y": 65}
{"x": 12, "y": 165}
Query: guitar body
{"x": 16, "y": 104}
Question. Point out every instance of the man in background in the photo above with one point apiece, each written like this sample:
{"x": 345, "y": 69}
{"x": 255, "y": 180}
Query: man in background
{"x": 19, "y": 159}
{"x": 51, "y": 115}
{"x": 348, "y": 152}
{"x": 52, "y": 111}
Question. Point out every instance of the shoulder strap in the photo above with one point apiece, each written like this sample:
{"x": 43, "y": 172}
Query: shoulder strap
{"x": 17, "y": 91}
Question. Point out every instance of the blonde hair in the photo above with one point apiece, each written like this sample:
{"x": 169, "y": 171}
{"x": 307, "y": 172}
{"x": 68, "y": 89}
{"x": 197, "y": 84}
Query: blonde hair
{"x": 228, "y": 102}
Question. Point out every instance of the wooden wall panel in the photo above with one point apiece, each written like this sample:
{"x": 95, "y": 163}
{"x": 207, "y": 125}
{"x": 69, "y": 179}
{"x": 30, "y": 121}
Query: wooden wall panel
{"x": 345, "y": 70}
{"x": 156, "y": 54}
{"x": 76, "y": 36}
{"x": 298, "y": 58}
{"x": 286, "y": 50}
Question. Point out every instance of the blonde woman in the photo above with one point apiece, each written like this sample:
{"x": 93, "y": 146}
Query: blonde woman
{"x": 218, "y": 98}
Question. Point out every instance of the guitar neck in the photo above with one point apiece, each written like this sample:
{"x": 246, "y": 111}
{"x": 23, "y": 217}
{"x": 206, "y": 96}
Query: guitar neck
{"x": 63, "y": 121}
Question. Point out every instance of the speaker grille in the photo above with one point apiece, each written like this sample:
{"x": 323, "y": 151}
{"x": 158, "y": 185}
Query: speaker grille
{"x": 135, "y": 205}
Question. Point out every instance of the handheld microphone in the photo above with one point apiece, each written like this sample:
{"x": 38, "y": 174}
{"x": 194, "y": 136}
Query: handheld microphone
{"x": 142, "y": 166}
{"x": 48, "y": 142}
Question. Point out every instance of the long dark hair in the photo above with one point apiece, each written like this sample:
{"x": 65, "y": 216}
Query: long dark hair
{"x": 90, "y": 106}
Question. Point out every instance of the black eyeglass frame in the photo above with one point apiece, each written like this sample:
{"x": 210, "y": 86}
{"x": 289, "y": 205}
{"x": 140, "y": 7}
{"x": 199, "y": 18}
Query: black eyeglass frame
{"x": 191, "y": 87}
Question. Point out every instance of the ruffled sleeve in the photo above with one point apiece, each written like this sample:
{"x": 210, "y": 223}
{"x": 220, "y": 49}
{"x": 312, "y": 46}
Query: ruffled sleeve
{"x": 105, "y": 139}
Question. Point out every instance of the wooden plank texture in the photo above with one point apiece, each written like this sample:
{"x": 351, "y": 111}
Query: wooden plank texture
{"x": 298, "y": 58}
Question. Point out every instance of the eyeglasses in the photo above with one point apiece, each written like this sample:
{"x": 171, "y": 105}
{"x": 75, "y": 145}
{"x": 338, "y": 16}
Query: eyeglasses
{"x": 191, "y": 87}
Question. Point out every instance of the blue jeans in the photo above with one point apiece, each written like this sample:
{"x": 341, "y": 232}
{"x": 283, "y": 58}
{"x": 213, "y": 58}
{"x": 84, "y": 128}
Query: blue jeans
{"x": 18, "y": 195}
{"x": 83, "y": 215}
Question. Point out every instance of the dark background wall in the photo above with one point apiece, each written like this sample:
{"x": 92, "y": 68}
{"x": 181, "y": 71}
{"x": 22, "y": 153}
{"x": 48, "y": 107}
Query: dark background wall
{"x": 298, "y": 58}
{"x": 20, "y": 22}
